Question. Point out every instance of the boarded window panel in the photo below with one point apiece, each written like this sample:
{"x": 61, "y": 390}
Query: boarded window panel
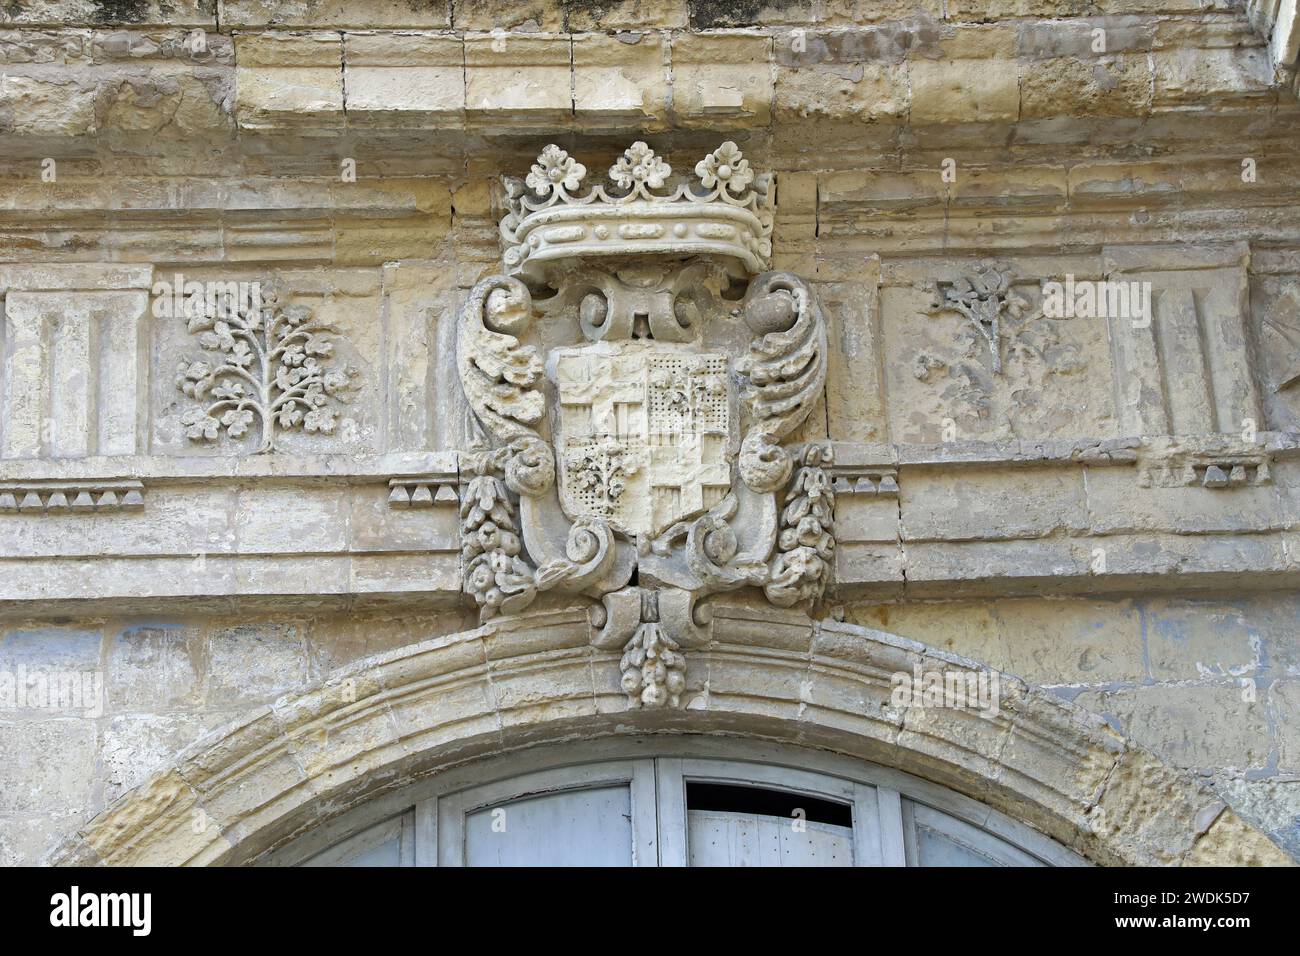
{"x": 571, "y": 828}
{"x": 935, "y": 838}
{"x": 379, "y": 845}
{"x": 721, "y": 838}
{"x": 936, "y": 849}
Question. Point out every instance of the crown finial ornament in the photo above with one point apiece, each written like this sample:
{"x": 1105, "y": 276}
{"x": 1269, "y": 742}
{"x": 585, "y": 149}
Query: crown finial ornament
{"x": 726, "y": 212}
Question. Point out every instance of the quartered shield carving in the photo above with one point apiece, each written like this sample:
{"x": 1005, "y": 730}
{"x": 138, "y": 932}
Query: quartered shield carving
{"x": 623, "y": 455}
{"x": 643, "y": 434}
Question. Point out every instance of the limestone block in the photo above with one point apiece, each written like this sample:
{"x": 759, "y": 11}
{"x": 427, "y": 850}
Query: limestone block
{"x": 335, "y": 13}
{"x": 1187, "y": 371}
{"x": 1284, "y": 701}
{"x": 289, "y": 79}
{"x": 881, "y": 565}
{"x": 1230, "y": 842}
{"x": 1045, "y": 641}
{"x": 167, "y": 797}
{"x": 179, "y": 105}
{"x": 57, "y": 758}
{"x": 1009, "y": 9}
{"x": 62, "y": 12}
{"x": 1116, "y": 503}
{"x": 25, "y": 839}
{"x": 154, "y": 669}
{"x": 1145, "y": 811}
{"x": 1187, "y": 75}
{"x": 1101, "y": 86}
{"x": 890, "y": 43}
{"x": 337, "y": 640}
{"x": 722, "y": 78}
{"x": 1055, "y": 379}
{"x": 713, "y": 15}
{"x": 390, "y": 219}
{"x": 963, "y": 41}
{"x": 404, "y": 77}
{"x": 51, "y": 672}
{"x": 974, "y": 503}
{"x": 1198, "y": 640}
{"x": 1191, "y": 726}
{"x": 275, "y": 520}
{"x": 865, "y": 517}
{"x": 250, "y": 664}
{"x": 136, "y": 745}
{"x": 870, "y": 92}
{"x": 1061, "y": 756}
{"x": 609, "y": 15}
{"x": 338, "y": 725}
{"x": 376, "y": 526}
{"x": 36, "y": 106}
{"x": 1023, "y": 187}
{"x": 420, "y": 308}
{"x": 1272, "y": 804}
{"x": 884, "y": 190}
{"x": 1049, "y": 39}
{"x": 855, "y": 11}
{"x": 189, "y": 520}
{"x": 1275, "y": 317}
{"x": 528, "y": 16}
{"x": 964, "y": 91}
{"x": 518, "y": 77}
{"x": 621, "y": 79}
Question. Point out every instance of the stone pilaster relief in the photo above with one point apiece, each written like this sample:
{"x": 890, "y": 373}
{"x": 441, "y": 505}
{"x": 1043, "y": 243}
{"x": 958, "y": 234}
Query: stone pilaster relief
{"x": 656, "y": 448}
{"x": 268, "y": 368}
{"x": 73, "y": 383}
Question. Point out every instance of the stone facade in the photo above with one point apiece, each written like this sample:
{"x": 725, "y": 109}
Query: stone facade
{"x": 390, "y": 384}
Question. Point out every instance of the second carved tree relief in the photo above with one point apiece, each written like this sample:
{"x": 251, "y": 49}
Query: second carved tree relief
{"x": 647, "y": 464}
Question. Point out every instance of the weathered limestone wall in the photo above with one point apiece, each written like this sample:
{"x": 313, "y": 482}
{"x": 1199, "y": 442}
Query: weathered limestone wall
{"x": 1208, "y": 684}
{"x": 1060, "y": 517}
{"x": 154, "y": 685}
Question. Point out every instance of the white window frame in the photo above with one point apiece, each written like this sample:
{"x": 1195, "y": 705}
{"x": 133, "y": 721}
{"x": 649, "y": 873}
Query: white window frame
{"x": 442, "y": 835}
{"x": 886, "y": 801}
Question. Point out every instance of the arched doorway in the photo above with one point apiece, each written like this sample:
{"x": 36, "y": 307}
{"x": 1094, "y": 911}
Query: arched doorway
{"x": 437, "y": 712}
{"x": 675, "y": 801}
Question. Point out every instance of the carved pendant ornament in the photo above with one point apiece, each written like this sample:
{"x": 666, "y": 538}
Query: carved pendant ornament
{"x": 643, "y": 465}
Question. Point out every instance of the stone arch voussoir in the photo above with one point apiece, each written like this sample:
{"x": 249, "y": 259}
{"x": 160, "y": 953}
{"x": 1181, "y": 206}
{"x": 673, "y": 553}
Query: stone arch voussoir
{"x": 388, "y": 720}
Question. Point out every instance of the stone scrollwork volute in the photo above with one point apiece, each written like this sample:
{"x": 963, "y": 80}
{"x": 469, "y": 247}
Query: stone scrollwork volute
{"x": 625, "y": 453}
{"x": 501, "y": 379}
{"x": 785, "y": 372}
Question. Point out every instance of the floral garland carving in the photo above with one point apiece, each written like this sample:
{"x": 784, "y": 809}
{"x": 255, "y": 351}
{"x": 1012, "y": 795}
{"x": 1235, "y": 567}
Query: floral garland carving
{"x": 806, "y": 544}
{"x": 495, "y": 572}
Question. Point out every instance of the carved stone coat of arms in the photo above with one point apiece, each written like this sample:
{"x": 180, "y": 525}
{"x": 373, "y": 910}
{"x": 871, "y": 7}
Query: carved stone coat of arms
{"x": 643, "y": 465}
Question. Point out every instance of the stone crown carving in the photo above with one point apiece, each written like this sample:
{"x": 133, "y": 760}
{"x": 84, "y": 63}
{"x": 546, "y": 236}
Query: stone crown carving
{"x": 725, "y": 212}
